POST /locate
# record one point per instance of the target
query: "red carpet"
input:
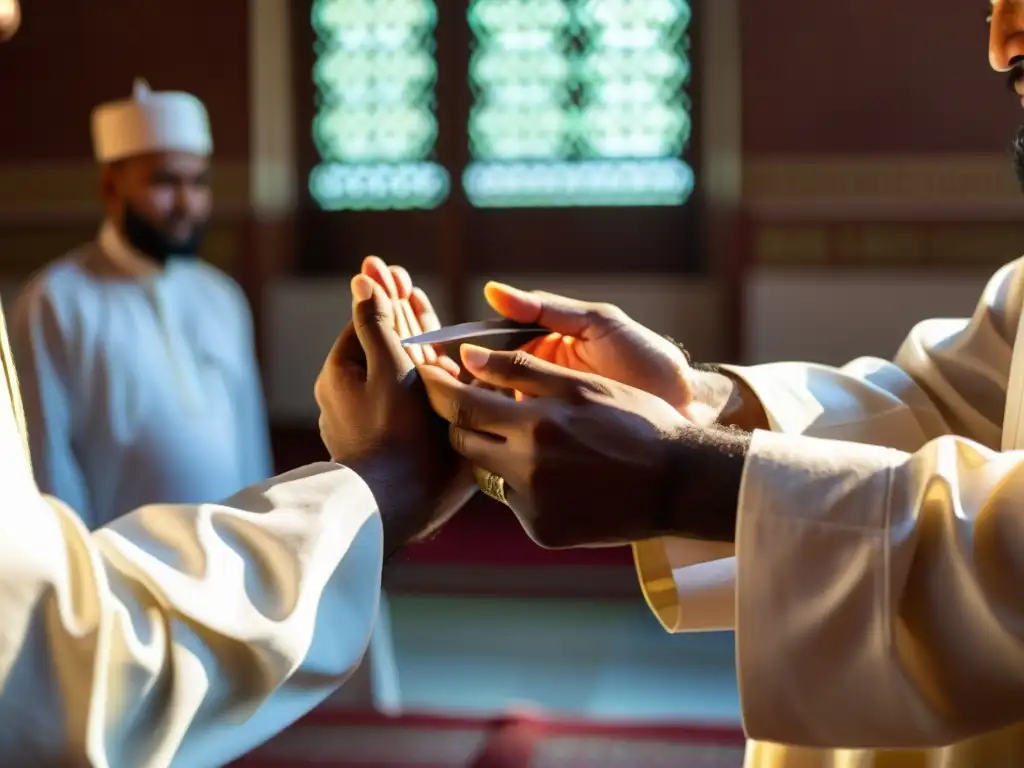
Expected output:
(336, 740)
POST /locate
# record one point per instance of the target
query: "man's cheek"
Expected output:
(199, 204)
(158, 204)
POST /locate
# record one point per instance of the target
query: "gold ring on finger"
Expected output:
(491, 484)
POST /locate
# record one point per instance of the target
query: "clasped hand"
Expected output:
(585, 459)
(375, 417)
(599, 445)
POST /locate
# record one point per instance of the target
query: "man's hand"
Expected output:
(414, 314)
(585, 460)
(375, 418)
(599, 339)
(602, 339)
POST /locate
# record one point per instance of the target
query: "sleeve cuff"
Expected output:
(789, 409)
(810, 545)
(689, 585)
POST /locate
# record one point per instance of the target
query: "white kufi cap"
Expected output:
(161, 121)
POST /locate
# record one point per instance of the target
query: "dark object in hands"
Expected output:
(498, 334)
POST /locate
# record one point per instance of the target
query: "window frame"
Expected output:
(457, 240)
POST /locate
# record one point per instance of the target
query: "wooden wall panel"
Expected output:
(64, 62)
(68, 56)
(872, 76)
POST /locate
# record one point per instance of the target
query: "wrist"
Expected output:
(394, 485)
(703, 473)
(721, 399)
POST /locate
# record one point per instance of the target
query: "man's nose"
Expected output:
(1006, 35)
(186, 200)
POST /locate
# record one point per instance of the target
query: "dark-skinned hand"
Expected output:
(584, 458)
(375, 418)
(588, 461)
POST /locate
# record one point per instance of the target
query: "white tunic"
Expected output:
(179, 636)
(877, 581)
(138, 388)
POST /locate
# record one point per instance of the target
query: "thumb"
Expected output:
(373, 316)
(526, 373)
(569, 317)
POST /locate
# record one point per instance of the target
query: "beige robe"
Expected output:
(876, 586)
(180, 635)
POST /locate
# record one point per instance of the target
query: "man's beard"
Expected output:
(1012, 77)
(1018, 156)
(149, 240)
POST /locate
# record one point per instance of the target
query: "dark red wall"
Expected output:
(819, 77)
(71, 54)
(871, 76)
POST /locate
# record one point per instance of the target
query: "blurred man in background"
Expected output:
(133, 341)
(137, 359)
(189, 634)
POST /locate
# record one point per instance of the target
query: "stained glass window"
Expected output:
(579, 103)
(375, 127)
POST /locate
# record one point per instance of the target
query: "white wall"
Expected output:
(824, 316)
(833, 317)
(305, 315)
(792, 314)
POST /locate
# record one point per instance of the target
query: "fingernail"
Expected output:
(502, 289)
(474, 356)
(494, 285)
(362, 288)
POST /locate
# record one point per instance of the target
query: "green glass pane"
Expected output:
(375, 127)
(578, 183)
(665, 14)
(392, 133)
(333, 17)
(497, 16)
(379, 187)
(579, 102)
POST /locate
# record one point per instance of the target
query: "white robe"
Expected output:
(146, 389)
(180, 635)
(138, 388)
(877, 585)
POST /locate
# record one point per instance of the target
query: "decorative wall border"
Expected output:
(945, 211)
(870, 187)
(882, 212)
(973, 187)
(947, 245)
(66, 193)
